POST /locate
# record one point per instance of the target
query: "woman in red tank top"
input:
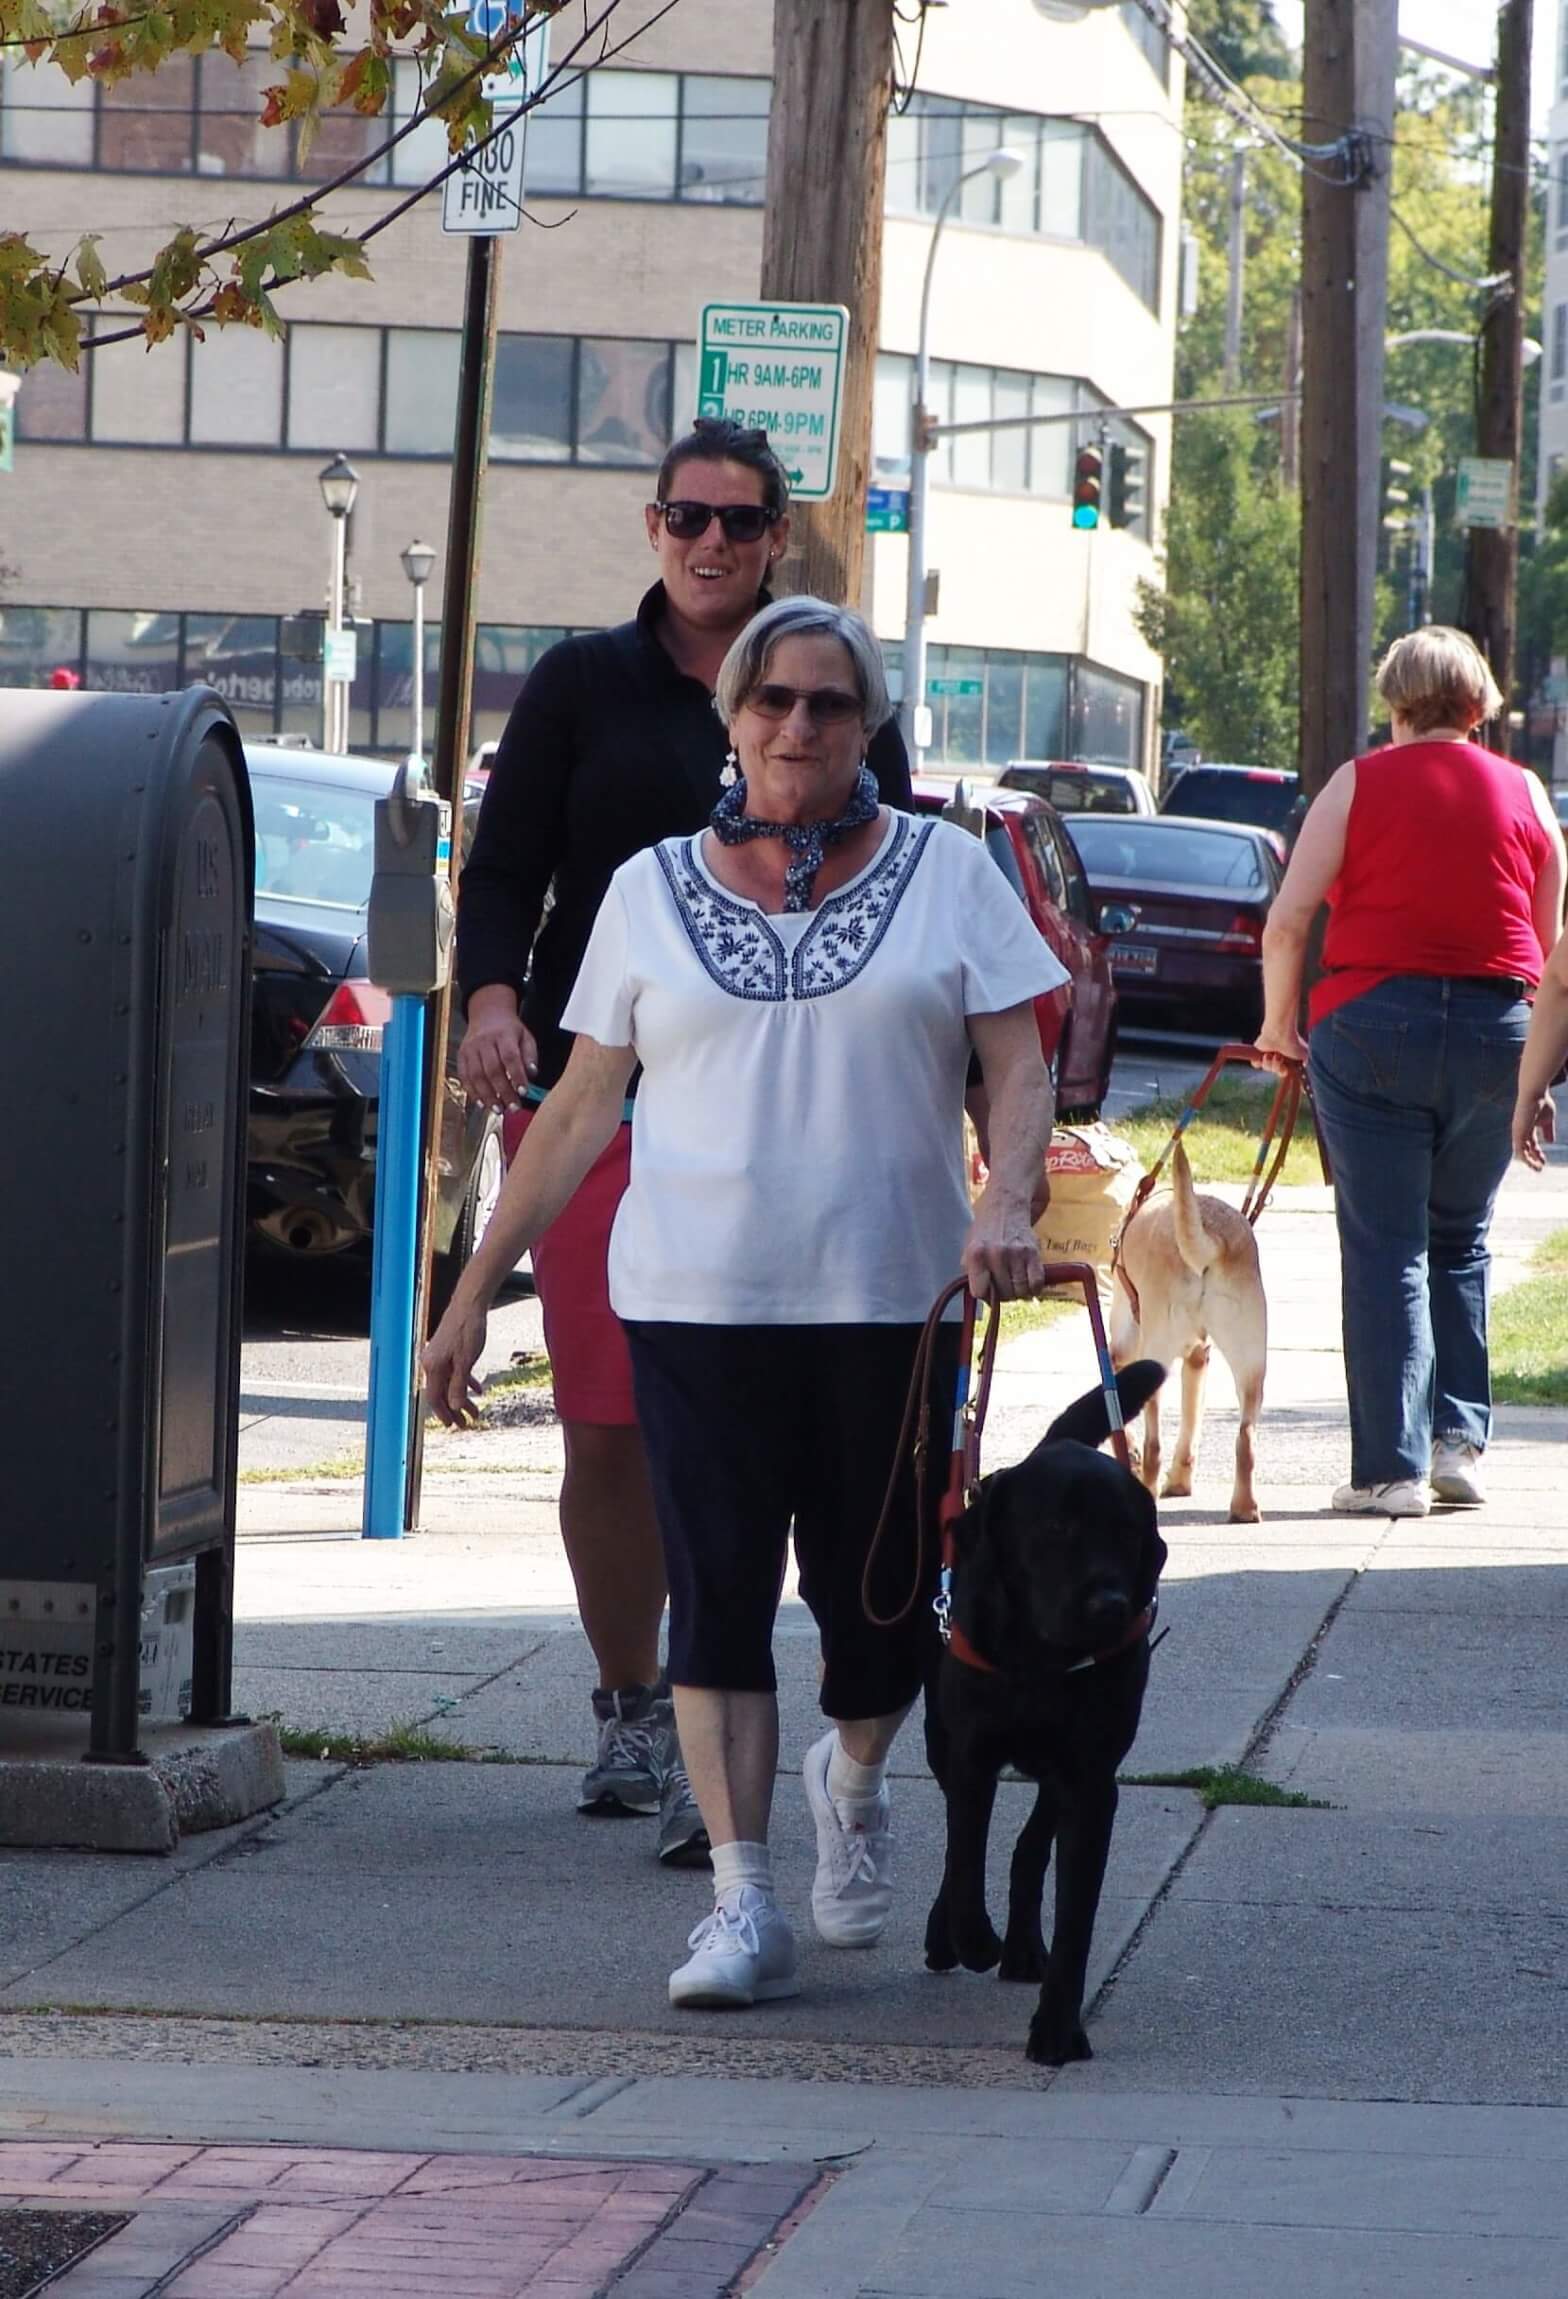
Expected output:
(1443, 869)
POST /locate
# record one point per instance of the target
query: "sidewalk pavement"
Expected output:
(1331, 2041)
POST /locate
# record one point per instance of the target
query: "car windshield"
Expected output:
(315, 842)
(1074, 792)
(1234, 797)
(1167, 854)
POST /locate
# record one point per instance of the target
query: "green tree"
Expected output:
(1242, 37)
(196, 278)
(1225, 618)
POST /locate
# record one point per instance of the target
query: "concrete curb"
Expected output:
(192, 1781)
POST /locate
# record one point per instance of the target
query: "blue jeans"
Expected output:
(1414, 1085)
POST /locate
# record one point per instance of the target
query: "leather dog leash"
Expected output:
(1278, 1131)
(963, 1476)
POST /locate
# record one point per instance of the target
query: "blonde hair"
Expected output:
(1438, 677)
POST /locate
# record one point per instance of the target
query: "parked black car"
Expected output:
(1185, 902)
(1261, 795)
(317, 1022)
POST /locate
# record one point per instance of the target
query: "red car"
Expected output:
(1026, 840)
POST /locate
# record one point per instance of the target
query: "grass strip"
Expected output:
(1225, 1784)
(1527, 1331)
(1222, 1140)
(399, 1744)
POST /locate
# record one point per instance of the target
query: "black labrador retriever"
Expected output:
(1053, 1596)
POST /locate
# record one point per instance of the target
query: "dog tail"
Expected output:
(1193, 1241)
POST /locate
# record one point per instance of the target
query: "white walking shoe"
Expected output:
(853, 1891)
(1456, 1474)
(743, 1953)
(1401, 1497)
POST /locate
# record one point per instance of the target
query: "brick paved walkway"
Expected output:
(321, 2223)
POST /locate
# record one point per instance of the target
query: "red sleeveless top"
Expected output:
(1442, 851)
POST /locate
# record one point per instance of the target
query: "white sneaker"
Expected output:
(1456, 1473)
(1401, 1497)
(744, 1953)
(853, 1891)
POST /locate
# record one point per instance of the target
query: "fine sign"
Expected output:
(486, 193)
(779, 367)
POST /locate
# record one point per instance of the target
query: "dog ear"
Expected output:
(1086, 1420)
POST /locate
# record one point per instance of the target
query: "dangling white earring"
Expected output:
(729, 772)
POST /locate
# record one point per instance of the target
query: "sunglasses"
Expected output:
(827, 706)
(742, 522)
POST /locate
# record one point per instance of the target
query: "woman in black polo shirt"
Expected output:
(613, 745)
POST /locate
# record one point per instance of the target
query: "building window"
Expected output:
(623, 401)
(531, 414)
(147, 124)
(1562, 196)
(724, 139)
(236, 389)
(35, 642)
(52, 404)
(1071, 186)
(421, 391)
(1027, 458)
(45, 119)
(1149, 37)
(608, 134)
(1558, 373)
(631, 139)
(334, 387)
(136, 395)
(132, 654)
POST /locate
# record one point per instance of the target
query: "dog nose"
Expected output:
(1105, 1611)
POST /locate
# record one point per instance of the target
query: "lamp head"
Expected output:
(418, 559)
(339, 486)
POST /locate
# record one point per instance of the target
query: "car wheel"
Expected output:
(486, 1175)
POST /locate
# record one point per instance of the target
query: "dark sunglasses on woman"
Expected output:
(742, 522)
(826, 706)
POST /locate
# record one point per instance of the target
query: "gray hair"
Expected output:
(745, 666)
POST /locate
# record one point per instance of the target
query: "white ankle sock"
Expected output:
(735, 1865)
(855, 1787)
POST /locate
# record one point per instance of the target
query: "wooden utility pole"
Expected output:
(822, 241)
(1492, 553)
(1236, 266)
(1351, 51)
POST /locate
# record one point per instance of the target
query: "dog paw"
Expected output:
(1177, 1486)
(979, 1949)
(1050, 2047)
(1245, 1513)
(1022, 1959)
(941, 1955)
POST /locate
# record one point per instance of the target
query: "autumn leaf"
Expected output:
(89, 268)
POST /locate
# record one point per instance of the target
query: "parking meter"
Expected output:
(410, 954)
(411, 912)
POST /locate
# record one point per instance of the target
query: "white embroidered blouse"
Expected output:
(797, 1147)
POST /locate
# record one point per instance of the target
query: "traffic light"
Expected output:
(1086, 488)
(1393, 509)
(1126, 489)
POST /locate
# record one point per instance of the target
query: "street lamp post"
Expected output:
(1001, 164)
(339, 483)
(418, 559)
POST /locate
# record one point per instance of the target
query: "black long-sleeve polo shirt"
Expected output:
(610, 747)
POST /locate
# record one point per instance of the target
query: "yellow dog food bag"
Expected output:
(1094, 1173)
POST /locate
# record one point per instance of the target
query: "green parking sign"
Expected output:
(779, 367)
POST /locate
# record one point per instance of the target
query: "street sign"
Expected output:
(887, 510)
(953, 686)
(522, 69)
(779, 367)
(1484, 496)
(486, 193)
(10, 385)
(340, 655)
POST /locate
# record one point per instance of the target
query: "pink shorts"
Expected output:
(588, 1355)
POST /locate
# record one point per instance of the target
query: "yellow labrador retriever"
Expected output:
(1187, 1275)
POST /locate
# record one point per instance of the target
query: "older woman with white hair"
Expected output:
(1442, 867)
(802, 984)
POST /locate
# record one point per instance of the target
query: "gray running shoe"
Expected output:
(683, 1840)
(627, 1774)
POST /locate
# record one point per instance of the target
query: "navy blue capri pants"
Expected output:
(754, 1430)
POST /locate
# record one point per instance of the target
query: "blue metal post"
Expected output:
(394, 1271)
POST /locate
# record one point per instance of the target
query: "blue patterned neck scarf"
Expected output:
(808, 842)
